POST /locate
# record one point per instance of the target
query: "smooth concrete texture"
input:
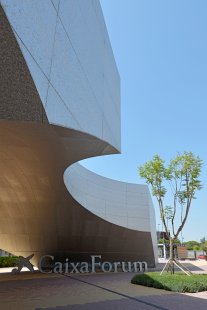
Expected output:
(61, 105)
(114, 201)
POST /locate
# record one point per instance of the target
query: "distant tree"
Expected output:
(204, 244)
(181, 176)
(191, 244)
(196, 247)
(203, 240)
(161, 240)
(204, 247)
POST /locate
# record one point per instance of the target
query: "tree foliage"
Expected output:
(181, 178)
(203, 244)
(204, 247)
(191, 245)
(165, 241)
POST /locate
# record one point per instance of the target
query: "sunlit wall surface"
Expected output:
(69, 56)
(67, 49)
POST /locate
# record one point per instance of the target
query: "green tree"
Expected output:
(181, 178)
(161, 240)
(196, 247)
(191, 244)
(203, 244)
(203, 240)
(204, 247)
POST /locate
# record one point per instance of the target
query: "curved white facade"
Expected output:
(124, 204)
(71, 63)
(68, 53)
(120, 203)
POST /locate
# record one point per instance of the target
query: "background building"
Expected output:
(60, 103)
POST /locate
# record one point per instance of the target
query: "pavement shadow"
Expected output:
(167, 302)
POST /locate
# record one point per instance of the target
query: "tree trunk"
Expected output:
(171, 257)
(171, 250)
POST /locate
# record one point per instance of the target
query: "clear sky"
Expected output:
(160, 49)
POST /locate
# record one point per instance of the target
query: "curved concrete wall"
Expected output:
(120, 203)
(66, 78)
(124, 204)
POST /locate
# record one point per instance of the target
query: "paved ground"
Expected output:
(28, 291)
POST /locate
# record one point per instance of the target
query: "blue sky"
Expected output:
(160, 49)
